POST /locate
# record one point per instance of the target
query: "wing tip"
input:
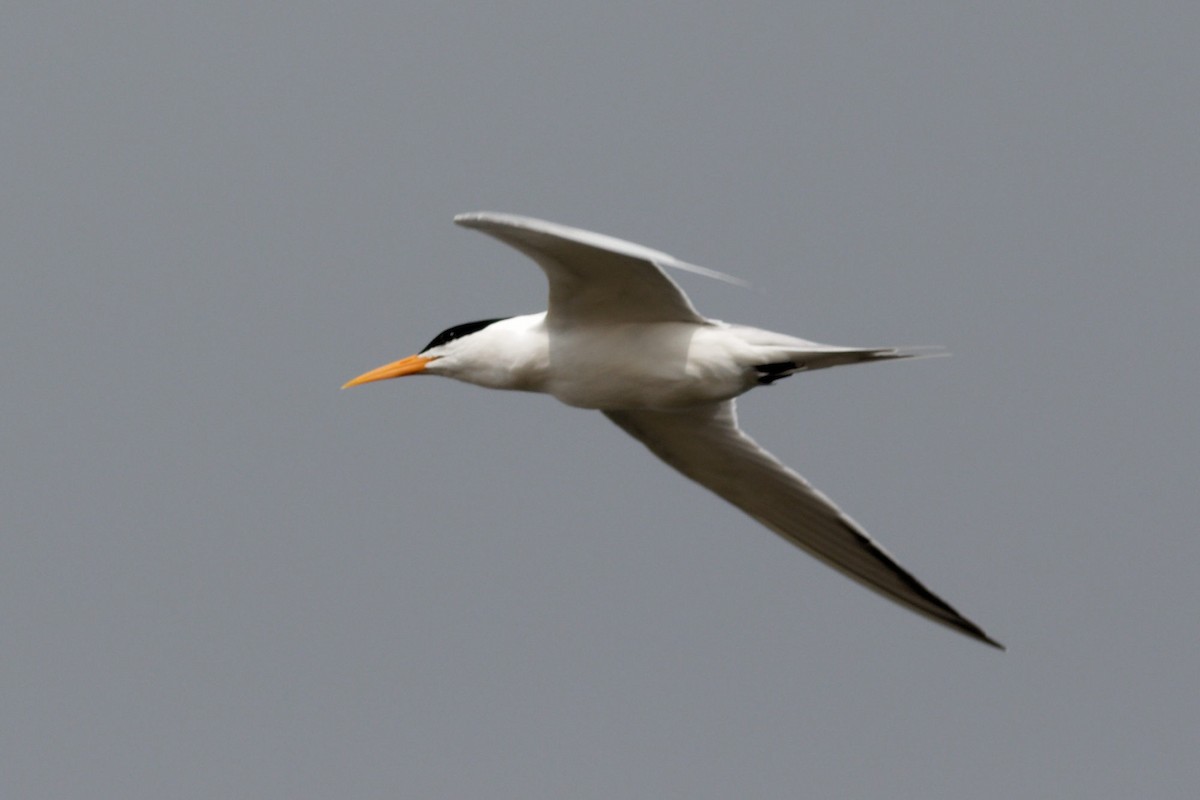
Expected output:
(675, 263)
(965, 626)
(481, 219)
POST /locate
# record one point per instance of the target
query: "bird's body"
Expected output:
(652, 365)
(621, 337)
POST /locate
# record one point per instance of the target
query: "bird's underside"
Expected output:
(620, 336)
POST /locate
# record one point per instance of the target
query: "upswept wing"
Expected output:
(706, 445)
(595, 278)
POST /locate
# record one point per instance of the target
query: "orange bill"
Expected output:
(397, 369)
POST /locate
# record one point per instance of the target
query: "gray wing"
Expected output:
(593, 277)
(706, 445)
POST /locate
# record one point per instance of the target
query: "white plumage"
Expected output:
(621, 337)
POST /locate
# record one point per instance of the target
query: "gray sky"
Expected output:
(222, 577)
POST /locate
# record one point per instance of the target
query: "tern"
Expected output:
(621, 337)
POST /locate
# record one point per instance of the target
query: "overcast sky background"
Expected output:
(223, 577)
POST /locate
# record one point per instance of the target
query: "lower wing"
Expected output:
(706, 445)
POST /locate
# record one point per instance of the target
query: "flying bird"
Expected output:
(621, 337)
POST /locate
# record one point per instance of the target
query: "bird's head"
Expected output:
(447, 354)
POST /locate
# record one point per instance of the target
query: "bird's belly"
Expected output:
(624, 370)
(607, 392)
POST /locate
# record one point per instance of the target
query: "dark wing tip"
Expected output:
(975, 632)
(934, 607)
